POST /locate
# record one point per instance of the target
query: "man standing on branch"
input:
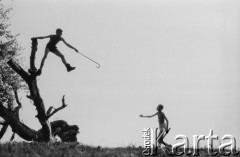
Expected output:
(51, 46)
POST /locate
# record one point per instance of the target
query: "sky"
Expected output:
(182, 54)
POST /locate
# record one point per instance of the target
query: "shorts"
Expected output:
(52, 48)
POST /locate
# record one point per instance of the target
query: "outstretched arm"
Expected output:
(148, 116)
(41, 37)
(70, 46)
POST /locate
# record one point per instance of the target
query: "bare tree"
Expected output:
(13, 78)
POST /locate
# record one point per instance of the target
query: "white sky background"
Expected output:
(183, 54)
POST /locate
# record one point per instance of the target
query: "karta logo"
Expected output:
(151, 144)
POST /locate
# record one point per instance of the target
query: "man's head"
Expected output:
(160, 107)
(59, 32)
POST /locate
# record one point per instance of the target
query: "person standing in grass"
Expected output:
(51, 46)
(162, 125)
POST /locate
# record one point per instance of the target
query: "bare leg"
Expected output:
(160, 135)
(59, 54)
(68, 66)
(44, 58)
(160, 138)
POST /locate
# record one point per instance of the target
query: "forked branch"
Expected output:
(49, 113)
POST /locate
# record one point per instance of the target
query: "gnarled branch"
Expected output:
(3, 123)
(35, 95)
(16, 110)
(33, 53)
(18, 127)
(3, 130)
(12, 137)
(57, 109)
(18, 69)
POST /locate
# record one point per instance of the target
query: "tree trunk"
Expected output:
(34, 91)
(60, 128)
(3, 130)
(21, 129)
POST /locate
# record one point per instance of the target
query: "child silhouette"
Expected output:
(162, 125)
(51, 47)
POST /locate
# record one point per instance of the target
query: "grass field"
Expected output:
(24, 149)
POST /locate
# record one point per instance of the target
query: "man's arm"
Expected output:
(149, 116)
(42, 37)
(70, 46)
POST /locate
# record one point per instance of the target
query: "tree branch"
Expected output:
(3, 130)
(5, 123)
(12, 137)
(2, 123)
(16, 110)
(35, 95)
(57, 109)
(19, 70)
(33, 53)
(17, 98)
(18, 127)
(13, 119)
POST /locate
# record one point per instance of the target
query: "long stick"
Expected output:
(90, 59)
